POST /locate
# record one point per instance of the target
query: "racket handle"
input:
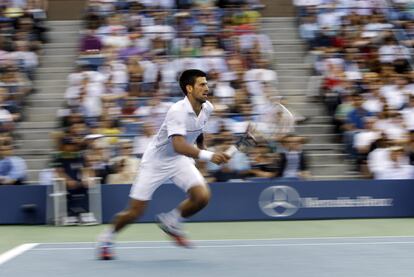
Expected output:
(231, 151)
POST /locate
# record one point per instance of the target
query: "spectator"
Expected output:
(264, 163)
(68, 164)
(378, 158)
(293, 162)
(308, 30)
(398, 166)
(90, 43)
(354, 123)
(110, 128)
(141, 142)
(12, 168)
(126, 165)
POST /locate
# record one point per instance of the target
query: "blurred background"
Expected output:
(84, 86)
(98, 84)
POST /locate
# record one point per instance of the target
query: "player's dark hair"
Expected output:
(188, 77)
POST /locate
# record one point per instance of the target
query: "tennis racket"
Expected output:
(275, 120)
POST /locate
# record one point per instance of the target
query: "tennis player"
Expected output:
(170, 156)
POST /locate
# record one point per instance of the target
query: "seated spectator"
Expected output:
(293, 163)
(354, 123)
(26, 59)
(264, 163)
(90, 43)
(379, 157)
(142, 141)
(110, 127)
(393, 125)
(308, 30)
(398, 166)
(68, 163)
(125, 165)
(12, 168)
(408, 114)
(364, 140)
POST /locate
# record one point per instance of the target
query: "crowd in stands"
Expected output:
(362, 49)
(131, 55)
(22, 33)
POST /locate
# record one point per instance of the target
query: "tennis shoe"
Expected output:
(105, 250)
(173, 229)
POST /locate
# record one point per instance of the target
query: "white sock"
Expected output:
(108, 234)
(175, 215)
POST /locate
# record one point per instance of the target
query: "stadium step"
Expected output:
(292, 79)
(284, 35)
(308, 112)
(57, 61)
(36, 125)
(45, 102)
(51, 83)
(64, 25)
(322, 138)
(48, 70)
(304, 72)
(315, 129)
(48, 94)
(64, 36)
(57, 58)
(33, 134)
(35, 153)
(58, 51)
(279, 47)
(321, 119)
(37, 164)
(329, 169)
(290, 92)
(292, 85)
(50, 76)
(39, 117)
(326, 158)
(35, 144)
(51, 64)
(275, 23)
(66, 45)
(294, 98)
(323, 148)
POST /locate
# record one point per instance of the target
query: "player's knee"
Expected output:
(202, 198)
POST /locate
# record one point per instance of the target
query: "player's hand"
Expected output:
(220, 158)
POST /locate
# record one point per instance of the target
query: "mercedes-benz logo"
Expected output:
(279, 201)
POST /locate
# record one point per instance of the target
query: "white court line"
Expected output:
(238, 245)
(223, 240)
(18, 250)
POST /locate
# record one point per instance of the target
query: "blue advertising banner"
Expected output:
(280, 200)
(23, 204)
(264, 200)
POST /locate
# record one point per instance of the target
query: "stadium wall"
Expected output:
(262, 200)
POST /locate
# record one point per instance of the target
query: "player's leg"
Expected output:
(188, 178)
(105, 240)
(135, 210)
(198, 198)
(148, 180)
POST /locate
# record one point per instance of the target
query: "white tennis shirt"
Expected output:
(180, 120)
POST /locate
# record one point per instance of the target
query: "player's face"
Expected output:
(200, 89)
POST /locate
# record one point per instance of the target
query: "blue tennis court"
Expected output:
(367, 256)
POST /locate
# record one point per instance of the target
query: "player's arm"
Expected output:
(181, 146)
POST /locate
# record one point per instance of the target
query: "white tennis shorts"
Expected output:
(181, 171)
